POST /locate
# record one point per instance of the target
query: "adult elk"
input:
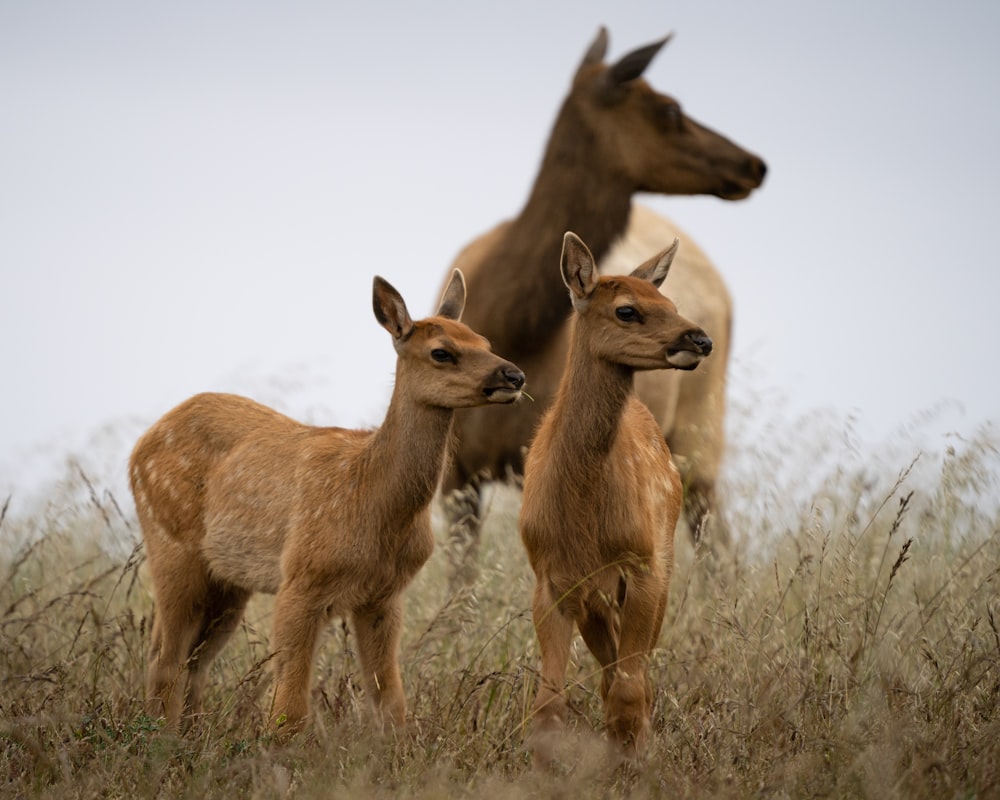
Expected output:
(614, 136)
(602, 496)
(235, 498)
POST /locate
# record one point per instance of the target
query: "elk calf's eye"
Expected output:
(443, 356)
(627, 314)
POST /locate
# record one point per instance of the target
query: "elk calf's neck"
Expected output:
(234, 498)
(602, 496)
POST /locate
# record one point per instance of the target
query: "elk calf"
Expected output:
(235, 498)
(602, 496)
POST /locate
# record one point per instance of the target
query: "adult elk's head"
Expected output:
(646, 138)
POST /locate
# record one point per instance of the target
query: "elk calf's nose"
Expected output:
(702, 342)
(515, 376)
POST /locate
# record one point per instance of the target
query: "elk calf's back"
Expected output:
(235, 498)
(602, 496)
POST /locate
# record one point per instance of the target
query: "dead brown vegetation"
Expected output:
(821, 661)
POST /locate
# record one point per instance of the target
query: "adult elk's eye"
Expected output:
(627, 314)
(443, 356)
(669, 114)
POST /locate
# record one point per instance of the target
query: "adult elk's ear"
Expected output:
(655, 270)
(598, 47)
(579, 271)
(631, 65)
(453, 299)
(390, 310)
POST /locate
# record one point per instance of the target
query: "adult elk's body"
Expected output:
(234, 498)
(614, 136)
(601, 494)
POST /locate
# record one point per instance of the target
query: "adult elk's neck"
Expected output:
(516, 296)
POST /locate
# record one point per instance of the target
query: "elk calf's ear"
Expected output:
(655, 270)
(579, 272)
(453, 299)
(390, 310)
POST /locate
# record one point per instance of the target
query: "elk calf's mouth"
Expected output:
(502, 394)
(683, 359)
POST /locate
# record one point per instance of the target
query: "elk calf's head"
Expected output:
(626, 319)
(442, 361)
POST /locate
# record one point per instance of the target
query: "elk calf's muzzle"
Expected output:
(690, 350)
(702, 342)
(505, 384)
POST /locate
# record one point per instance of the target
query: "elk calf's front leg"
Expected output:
(627, 713)
(630, 698)
(298, 618)
(598, 632)
(378, 630)
(555, 635)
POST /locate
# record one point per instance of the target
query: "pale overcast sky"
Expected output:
(196, 195)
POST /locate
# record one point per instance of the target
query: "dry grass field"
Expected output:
(848, 646)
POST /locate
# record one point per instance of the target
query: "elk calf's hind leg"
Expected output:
(166, 676)
(175, 633)
(220, 618)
